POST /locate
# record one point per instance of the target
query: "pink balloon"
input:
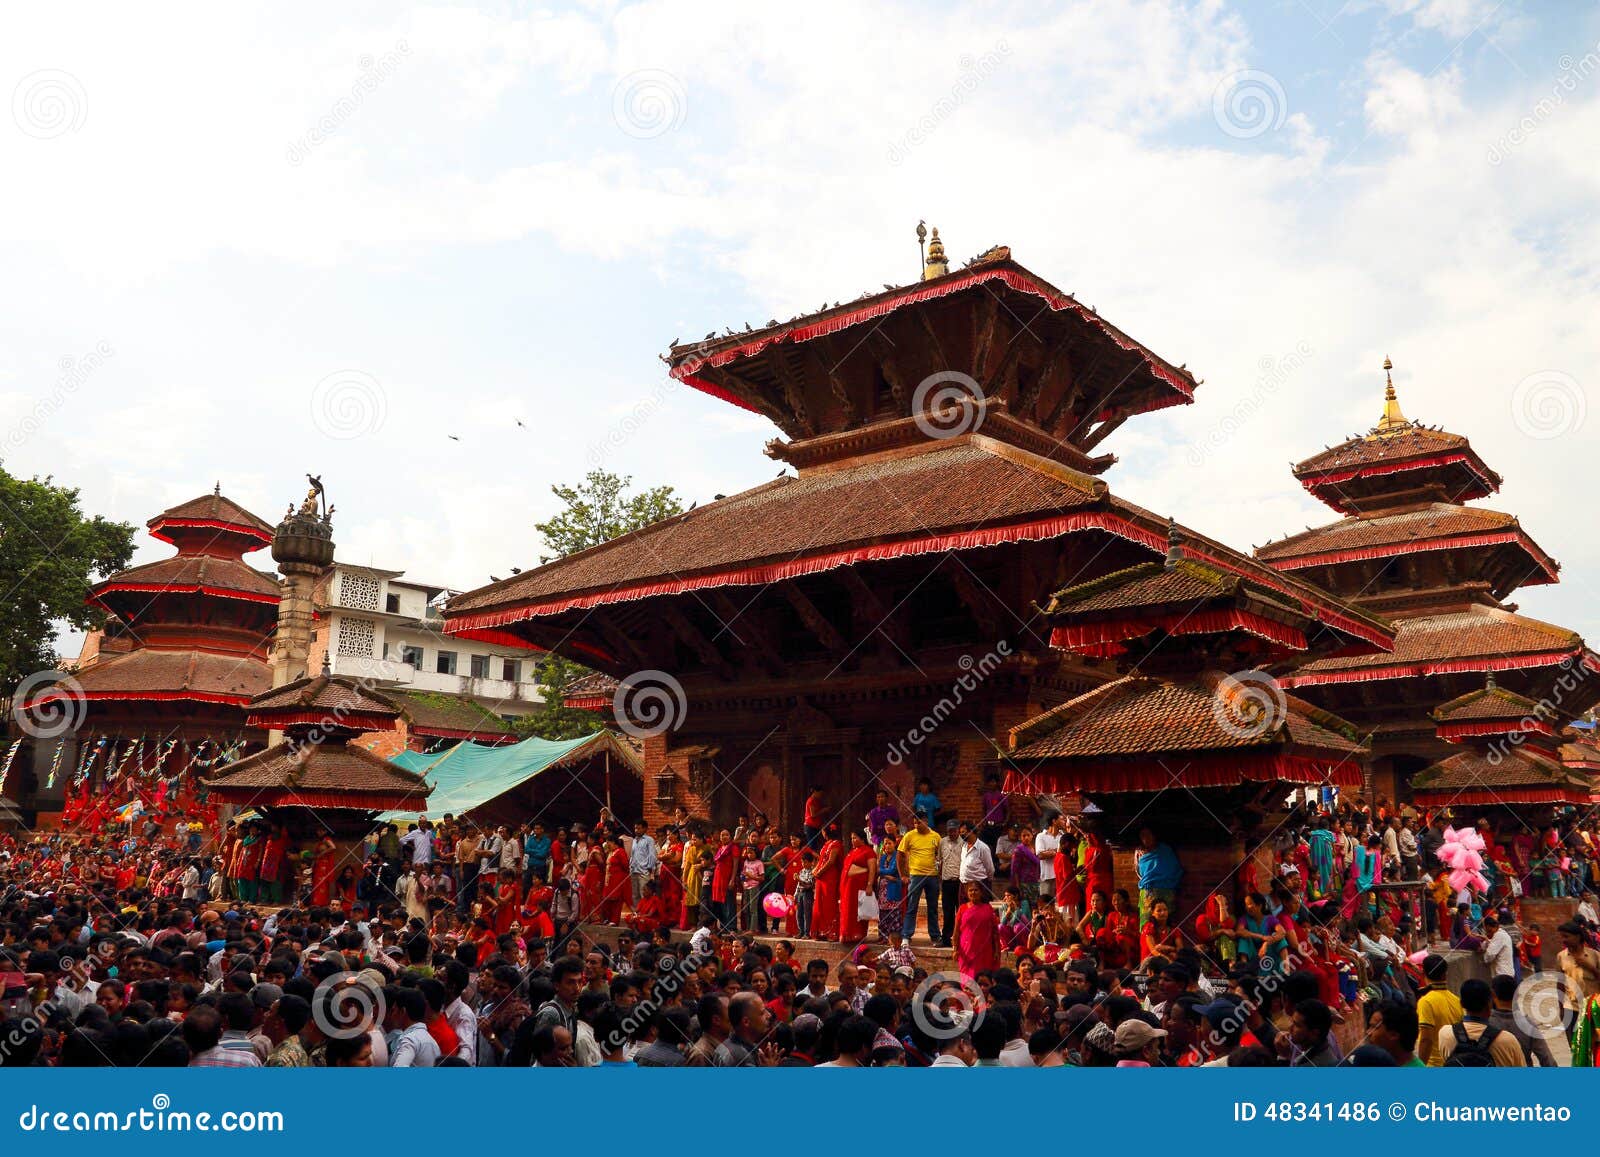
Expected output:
(777, 905)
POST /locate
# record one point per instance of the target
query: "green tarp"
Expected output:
(470, 774)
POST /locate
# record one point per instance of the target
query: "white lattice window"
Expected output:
(359, 592)
(357, 637)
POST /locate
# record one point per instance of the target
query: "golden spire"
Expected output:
(936, 265)
(1393, 421)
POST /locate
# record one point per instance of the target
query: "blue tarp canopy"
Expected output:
(471, 774)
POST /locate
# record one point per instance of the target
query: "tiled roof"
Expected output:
(1436, 520)
(436, 713)
(191, 570)
(320, 770)
(1142, 716)
(1415, 442)
(1478, 631)
(213, 508)
(1154, 584)
(957, 484)
(331, 693)
(969, 490)
(1580, 751)
(1489, 703)
(593, 684)
(1476, 771)
(148, 671)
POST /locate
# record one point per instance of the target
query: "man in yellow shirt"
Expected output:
(1436, 1008)
(919, 863)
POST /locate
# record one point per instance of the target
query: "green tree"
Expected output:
(596, 510)
(599, 509)
(50, 555)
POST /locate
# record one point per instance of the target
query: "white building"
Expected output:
(375, 624)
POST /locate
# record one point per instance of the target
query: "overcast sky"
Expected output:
(240, 245)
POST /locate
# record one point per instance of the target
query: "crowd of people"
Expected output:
(901, 936)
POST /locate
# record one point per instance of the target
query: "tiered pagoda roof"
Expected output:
(1514, 755)
(1408, 548)
(192, 628)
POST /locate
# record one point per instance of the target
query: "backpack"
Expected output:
(1469, 1053)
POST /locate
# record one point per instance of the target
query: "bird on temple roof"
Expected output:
(772, 321)
(710, 335)
(747, 328)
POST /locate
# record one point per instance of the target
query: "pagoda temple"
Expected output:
(162, 688)
(870, 618)
(1409, 547)
(1175, 742)
(1513, 758)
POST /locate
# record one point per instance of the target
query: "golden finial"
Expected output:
(1393, 421)
(936, 264)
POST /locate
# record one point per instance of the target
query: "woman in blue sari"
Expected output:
(1366, 869)
(891, 885)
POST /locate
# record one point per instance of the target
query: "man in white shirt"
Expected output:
(949, 880)
(1497, 948)
(977, 862)
(414, 1047)
(1045, 845)
(419, 843)
(956, 1053)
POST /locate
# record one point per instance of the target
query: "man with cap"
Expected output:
(1136, 1045)
(1222, 1024)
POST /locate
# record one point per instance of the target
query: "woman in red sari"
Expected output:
(617, 886)
(1158, 937)
(1120, 944)
(977, 934)
(825, 922)
(789, 860)
(858, 874)
(272, 857)
(724, 869)
(594, 887)
(324, 869)
(670, 880)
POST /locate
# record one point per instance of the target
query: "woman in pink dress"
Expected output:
(977, 938)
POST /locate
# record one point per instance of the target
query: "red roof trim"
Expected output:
(1437, 667)
(1377, 469)
(1525, 726)
(147, 696)
(1106, 776)
(349, 801)
(331, 718)
(1552, 794)
(1092, 635)
(1392, 549)
(942, 287)
(177, 589)
(243, 531)
(588, 702)
(767, 573)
